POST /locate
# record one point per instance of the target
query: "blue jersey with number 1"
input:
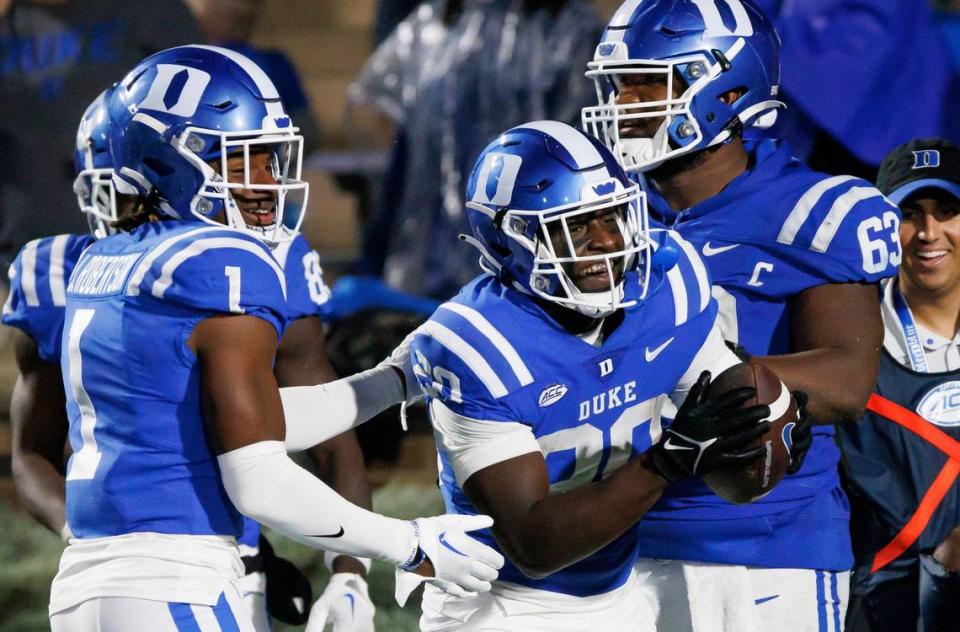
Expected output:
(141, 460)
(776, 230)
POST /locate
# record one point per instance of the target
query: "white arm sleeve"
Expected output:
(317, 413)
(473, 444)
(264, 484)
(714, 356)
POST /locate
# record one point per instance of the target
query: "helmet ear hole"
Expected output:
(730, 97)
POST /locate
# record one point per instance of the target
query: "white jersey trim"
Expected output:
(58, 291)
(133, 287)
(470, 356)
(801, 211)
(474, 444)
(698, 269)
(200, 246)
(28, 268)
(496, 338)
(838, 212)
(675, 278)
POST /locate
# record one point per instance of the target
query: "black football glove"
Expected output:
(802, 434)
(289, 594)
(708, 434)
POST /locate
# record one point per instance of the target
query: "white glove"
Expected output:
(400, 360)
(345, 604)
(462, 566)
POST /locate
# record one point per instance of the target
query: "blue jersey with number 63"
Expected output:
(141, 461)
(776, 230)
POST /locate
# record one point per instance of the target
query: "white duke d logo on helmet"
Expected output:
(498, 174)
(189, 83)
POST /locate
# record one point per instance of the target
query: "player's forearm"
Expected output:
(837, 380)
(40, 489)
(264, 484)
(340, 465)
(566, 527)
(39, 432)
(315, 414)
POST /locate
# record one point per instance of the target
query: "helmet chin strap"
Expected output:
(596, 304)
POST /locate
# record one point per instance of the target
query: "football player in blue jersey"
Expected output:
(35, 308)
(177, 426)
(549, 379)
(795, 257)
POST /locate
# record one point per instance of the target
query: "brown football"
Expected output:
(747, 483)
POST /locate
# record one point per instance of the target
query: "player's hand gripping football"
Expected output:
(345, 604)
(449, 558)
(802, 434)
(709, 433)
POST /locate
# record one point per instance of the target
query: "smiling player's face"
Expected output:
(591, 234)
(930, 237)
(258, 207)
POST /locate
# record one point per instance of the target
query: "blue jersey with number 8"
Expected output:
(141, 460)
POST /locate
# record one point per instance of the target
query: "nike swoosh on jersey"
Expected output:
(669, 445)
(326, 535)
(651, 354)
(765, 599)
(709, 251)
(444, 542)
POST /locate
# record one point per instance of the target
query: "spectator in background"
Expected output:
(55, 57)
(888, 468)
(230, 23)
(389, 14)
(452, 75)
(861, 76)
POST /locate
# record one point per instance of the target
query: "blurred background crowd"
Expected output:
(396, 97)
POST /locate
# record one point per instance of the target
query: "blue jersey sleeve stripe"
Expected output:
(55, 273)
(133, 287)
(499, 342)
(801, 211)
(28, 273)
(679, 289)
(200, 246)
(838, 212)
(699, 270)
(467, 354)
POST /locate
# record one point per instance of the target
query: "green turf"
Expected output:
(29, 555)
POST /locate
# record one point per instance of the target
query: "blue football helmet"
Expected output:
(525, 188)
(178, 116)
(701, 49)
(91, 157)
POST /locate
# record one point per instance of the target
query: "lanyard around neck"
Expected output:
(918, 361)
